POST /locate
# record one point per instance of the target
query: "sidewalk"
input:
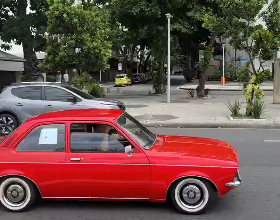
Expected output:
(232, 86)
(199, 114)
(183, 111)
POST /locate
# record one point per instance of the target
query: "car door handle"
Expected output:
(49, 106)
(76, 159)
(18, 104)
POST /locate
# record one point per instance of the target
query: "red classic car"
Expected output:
(107, 154)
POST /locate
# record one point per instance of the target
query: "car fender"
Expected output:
(163, 177)
(195, 174)
(14, 172)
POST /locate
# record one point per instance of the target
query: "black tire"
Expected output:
(17, 185)
(195, 190)
(11, 117)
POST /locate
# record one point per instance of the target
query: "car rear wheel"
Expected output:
(17, 194)
(8, 123)
(191, 195)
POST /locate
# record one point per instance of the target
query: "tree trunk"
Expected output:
(124, 64)
(133, 47)
(200, 90)
(158, 84)
(146, 62)
(28, 50)
(70, 75)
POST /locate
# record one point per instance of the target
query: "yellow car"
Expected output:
(122, 79)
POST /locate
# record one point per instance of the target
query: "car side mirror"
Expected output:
(129, 151)
(72, 99)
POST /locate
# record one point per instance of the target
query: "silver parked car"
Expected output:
(22, 101)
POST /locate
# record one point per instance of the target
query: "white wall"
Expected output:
(11, 66)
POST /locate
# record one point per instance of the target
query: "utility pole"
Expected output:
(223, 44)
(168, 59)
(276, 78)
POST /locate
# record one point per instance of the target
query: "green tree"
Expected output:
(259, 41)
(146, 21)
(83, 36)
(24, 25)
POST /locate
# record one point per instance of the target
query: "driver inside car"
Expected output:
(109, 133)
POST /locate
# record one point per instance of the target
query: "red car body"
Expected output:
(145, 175)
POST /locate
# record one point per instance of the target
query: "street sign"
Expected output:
(243, 59)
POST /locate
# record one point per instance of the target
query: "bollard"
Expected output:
(119, 90)
(109, 89)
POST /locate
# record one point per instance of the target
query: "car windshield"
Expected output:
(120, 76)
(80, 93)
(142, 135)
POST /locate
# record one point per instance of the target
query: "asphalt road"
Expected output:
(257, 198)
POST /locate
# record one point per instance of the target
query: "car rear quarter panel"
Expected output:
(167, 168)
(44, 169)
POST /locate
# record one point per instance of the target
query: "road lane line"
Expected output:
(272, 141)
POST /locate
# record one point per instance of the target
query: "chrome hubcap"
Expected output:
(191, 194)
(15, 194)
(6, 125)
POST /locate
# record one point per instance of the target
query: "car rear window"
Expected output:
(28, 92)
(78, 92)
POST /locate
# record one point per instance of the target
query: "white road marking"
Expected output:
(272, 141)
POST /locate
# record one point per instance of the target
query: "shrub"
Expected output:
(79, 81)
(234, 108)
(25, 78)
(94, 89)
(257, 109)
(51, 78)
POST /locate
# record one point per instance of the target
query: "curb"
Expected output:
(214, 125)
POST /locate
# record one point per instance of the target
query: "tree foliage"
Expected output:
(239, 23)
(259, 40)
(146, 23)
(84, 36)
(24, 22)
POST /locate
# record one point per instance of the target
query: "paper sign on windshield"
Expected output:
(48, 136)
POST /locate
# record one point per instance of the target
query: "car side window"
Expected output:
(44, 138)
(28, 92)
(97, 138)
(57, 94)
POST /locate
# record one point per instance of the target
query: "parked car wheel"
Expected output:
(17, 194)
(191, 195)
(8, 123)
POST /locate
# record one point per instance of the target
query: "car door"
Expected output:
(58, 99)
(27, 101)
(40, 156)
(105, 174)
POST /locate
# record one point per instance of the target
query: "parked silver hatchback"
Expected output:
(22, 101)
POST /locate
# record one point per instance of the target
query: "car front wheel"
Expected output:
(191, 195)
(17, 194)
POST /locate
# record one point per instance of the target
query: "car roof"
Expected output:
(79, 114)
(39, 83)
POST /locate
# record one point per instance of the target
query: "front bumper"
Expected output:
(236, 182)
